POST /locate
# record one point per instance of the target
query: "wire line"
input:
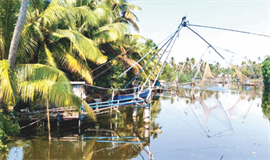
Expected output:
(204, 41)
(232, 30)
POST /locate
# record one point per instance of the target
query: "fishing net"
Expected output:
(207, 75)
(241, 108)
(242, 78)
(212, 117)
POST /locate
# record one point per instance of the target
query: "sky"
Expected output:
(159, 18)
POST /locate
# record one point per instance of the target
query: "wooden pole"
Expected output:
(48, 118)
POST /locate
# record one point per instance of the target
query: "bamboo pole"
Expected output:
(48, 118)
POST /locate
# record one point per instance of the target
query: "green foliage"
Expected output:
(8, 127)
(167, 72)
(266, 73)
(9, 10)
(7, 84)
(184, 78)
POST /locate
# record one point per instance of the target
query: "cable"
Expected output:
(109, 88)
(226, 50)
(147, 54)
(128, 50)
(185, 25)
(232, 30)
(151, 58)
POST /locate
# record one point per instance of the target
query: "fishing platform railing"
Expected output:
(120, 102)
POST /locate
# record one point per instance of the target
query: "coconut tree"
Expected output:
(8, 16)
(16, 35)
(47, 83)
(54, 39)
(124, 11)
(73, 38)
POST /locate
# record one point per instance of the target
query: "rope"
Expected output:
(149, 61)
(164, 63)
(103, 72)
(170, 40)
(232, 30)
(185, 25)
(170, 36)
(128, 50)
(109, 88)
(226, 50)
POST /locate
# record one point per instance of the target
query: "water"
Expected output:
(222, 123)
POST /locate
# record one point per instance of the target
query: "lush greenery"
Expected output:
(8, 127)
(266, 73)
(188, 70)
(60, 41)
(90, 40)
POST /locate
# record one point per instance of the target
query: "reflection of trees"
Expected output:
(266, 104)
(92, 148)
(127, 126)
(64, 148)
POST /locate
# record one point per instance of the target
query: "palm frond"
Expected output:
(50, 60)
(87, 16)
(111, 32)
(77, 67)
(55, 14)
(72, 63)
(33, 72)
(63, 3)
(103, 12)
(26, 49)
(86, 48)
(47, 82)
(89, 110)
(132, 19)
(6, 91)
(131, 6)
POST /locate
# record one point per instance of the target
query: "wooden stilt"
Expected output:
(48, 118)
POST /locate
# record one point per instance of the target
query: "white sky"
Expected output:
(160, 18)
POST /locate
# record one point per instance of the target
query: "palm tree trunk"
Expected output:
(48, 118)
(2, 45)
(17, 34)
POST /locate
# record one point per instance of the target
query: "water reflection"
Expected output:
(266, 104)
(216, 123)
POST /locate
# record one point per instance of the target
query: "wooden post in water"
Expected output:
(43, 125)
(49, 149)
(80, 114)
(146, 113)
(135, 111)
(146, 134)
(192, 96)
(48, 118)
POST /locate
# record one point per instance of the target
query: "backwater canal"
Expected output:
(221, 124)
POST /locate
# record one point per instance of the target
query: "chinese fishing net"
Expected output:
(206, 75)
(212, 117)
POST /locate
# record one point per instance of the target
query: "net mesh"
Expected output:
(207, 75)
(242, 78)
(213, 118)
(241, 108)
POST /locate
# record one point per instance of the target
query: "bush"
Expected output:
(8, 127)
(266, 73)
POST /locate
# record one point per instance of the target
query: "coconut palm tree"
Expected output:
(55, 40)
(16, 35)
(47, 83)
(123, 11)
(76, 36)
(8, 17)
